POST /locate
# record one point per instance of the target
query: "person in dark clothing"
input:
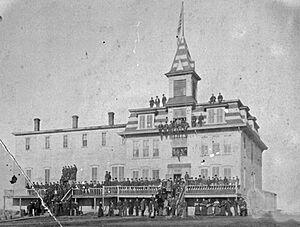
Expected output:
(164, 100)
(143, 206)
(151, 102)
(220, 98)
(136, 207)
(212, 99)
(157, 101)
(100, 210)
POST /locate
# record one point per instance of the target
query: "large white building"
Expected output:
(224, 142)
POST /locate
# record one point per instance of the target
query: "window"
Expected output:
(216, 148)
(227, 148)
(204, 150)
(27, 143)
(84, 140)
(179, 151)
(47, 176)
(142, 121)
(28, 174)
(204, 172)
(94, 173)
(227, 172)
(215, 171)
(216, 115)
(194, 89)
(220, 114)
(179, 88)
(145, 173)
(155, 174)
(135, 174)
(155, 148)
(211, 115)
(103, 138)
(136, 145)
(47, 142)
(65, 141)
(146, 148)
(146, 121)
(121, 173)
(114, 172)
(117, 172)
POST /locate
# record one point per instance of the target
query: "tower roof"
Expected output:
(182, 62)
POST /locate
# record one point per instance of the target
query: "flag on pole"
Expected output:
(180, 28)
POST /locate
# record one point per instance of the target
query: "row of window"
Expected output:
(142, 148)
(145, 173)
(116, 172)
(65, 142)
(215, 116)
(204, 171)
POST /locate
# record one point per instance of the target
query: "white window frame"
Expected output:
(47, 176)
(215, 119)
(84, 138)
(146, 149)
(104, 139)
(135, 171)
(155, 148)
(136, 146)
(28, 175)
(92, 175)
(47, 142)
(27, 143)
(153, 175)
(212, 171)
(65, 141)
(145, 122)
(185, 90)
(206, 169)
(227, 167)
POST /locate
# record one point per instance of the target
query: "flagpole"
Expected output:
(182, 20)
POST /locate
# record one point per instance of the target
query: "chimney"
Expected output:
(111, 118)
(36, 124)
(75, 121)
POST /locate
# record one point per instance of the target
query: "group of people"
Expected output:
(213, 181)
(35, 208)
(176, 128)
(156, 102)
(212, 99)
(221, 207)
(68, 173)
(168, 201)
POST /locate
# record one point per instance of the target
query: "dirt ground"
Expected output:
(145, 221)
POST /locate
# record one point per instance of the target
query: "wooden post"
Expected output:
(103, 189)
(95, 205)
(20, 204)
(118, 193)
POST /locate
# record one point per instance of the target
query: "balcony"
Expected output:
(148, 191)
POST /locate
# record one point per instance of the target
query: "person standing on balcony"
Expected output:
(157, 101)
(164, 100)
(151, 102)
(220, 98)
(186, 178)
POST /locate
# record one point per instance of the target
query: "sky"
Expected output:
(60, 58)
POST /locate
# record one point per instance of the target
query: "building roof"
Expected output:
(182, 62)
(89, 128)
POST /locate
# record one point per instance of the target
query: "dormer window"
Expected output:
(146, 121)
(215, 116)
(179, 88)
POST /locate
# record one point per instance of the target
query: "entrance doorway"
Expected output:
(177, 177)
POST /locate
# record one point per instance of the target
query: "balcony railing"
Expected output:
(32, 192)
(152, 190)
